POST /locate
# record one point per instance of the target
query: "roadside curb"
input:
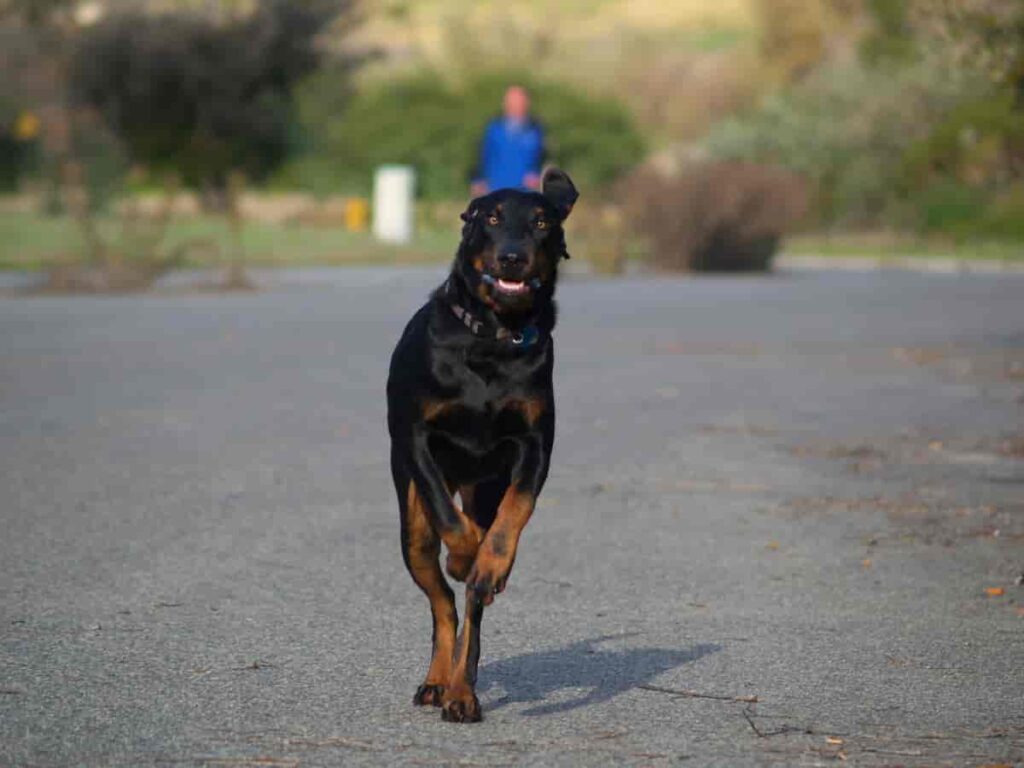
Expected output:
(936, 265)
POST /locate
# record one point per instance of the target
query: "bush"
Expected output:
(435, 126)
(715, 217)
(949, 207)
(847, 129)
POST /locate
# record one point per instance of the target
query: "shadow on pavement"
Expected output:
(532, 677)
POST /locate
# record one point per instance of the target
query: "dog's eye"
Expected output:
(492, 220)
(541, 224)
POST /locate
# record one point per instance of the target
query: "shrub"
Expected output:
(435, 126)
(715, 217)
(846, 128)
(949, 207)
(964, 178)
(1004, 217)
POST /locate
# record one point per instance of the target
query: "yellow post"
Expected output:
(357, 214)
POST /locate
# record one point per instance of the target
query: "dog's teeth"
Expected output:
(511, 287)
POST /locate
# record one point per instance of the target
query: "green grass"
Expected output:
(875, 245)
(30, 241)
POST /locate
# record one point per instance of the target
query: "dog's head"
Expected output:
(512, 242)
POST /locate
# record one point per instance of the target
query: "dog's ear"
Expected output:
(472, 211)
(470, 216)
(557, 187)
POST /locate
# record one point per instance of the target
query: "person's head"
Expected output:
(517, 102)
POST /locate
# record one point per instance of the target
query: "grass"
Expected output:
(32, 242)
(895, 245)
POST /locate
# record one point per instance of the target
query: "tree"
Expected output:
(202, 98)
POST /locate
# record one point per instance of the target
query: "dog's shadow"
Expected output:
(533, 677)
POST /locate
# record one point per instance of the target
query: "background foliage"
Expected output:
(921, 129)
(435, 125)
(882, 115)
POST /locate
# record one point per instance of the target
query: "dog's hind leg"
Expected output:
(421, 547)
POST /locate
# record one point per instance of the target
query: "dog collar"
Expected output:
(523, 339)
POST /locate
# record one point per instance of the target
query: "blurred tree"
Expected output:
(35, 12)
(202, 98)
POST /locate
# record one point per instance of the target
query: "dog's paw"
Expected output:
(461, 706)
(488, 578)
(428, 695)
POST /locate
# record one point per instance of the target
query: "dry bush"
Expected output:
(714, 216)
(129, 257)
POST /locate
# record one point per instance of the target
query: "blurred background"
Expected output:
(139, 136)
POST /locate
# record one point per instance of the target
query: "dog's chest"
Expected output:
(484, 403)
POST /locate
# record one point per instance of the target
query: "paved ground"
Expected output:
(797, 488)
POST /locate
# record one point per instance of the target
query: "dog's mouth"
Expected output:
(510, 287)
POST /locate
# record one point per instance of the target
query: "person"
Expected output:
(512, 149)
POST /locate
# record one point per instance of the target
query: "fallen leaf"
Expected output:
(772, 545)
(866, 562)
(994, 591)
(834, 740)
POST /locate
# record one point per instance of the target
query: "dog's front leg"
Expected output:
(460, 534)
(497, 552)
(490, 571)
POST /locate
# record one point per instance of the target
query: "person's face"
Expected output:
(517, 103)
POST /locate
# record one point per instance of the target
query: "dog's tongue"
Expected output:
(511, 286)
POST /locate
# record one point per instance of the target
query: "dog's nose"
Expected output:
(511, 258)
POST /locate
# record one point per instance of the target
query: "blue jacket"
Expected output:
(508, 152)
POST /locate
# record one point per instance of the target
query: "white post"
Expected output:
(393, 187)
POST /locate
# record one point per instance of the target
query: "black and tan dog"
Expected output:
(471, 412)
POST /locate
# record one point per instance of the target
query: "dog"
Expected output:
(471, 411)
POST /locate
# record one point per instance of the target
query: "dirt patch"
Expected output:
(1012, 447)
(705, 348)
(901, 507)
(749, 430)
(999, 363)
(124, 278)
(914, 450)
(923, 519)
(860, 451)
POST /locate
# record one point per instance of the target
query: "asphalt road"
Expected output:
(796, 487)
